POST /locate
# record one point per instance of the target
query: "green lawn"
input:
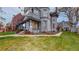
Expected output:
(67, 41)
(6, 33)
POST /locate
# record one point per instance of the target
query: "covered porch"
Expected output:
(30, 25)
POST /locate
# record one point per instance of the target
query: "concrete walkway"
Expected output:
(16, 35)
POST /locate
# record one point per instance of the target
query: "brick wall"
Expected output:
(15, 20)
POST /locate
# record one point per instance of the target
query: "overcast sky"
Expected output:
(10, 11)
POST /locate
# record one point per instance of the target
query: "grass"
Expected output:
(66, 42)
(6, 33)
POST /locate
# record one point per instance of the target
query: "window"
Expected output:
(45, 9)
(36, 12)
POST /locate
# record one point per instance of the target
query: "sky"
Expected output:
(10, 11)
(62, 17)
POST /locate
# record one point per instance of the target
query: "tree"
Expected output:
(8, 27)
(2, 19)
(1, 11)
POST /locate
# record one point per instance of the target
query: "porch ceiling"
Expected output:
(28, 18)
(32, 18)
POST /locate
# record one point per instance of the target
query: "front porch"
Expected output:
(30, 25)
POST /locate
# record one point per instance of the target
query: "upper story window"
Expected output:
(36, 12)
(45, 9)
(44, 12)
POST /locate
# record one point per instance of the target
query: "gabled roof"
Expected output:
(17, 18)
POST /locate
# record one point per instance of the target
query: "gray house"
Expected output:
(38, 19)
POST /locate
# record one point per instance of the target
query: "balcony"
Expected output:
(33, 16)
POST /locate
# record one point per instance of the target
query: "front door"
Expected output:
(45, 26)
(35, 26)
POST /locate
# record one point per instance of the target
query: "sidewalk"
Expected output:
(15, 35)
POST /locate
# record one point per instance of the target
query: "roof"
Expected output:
(17, 18)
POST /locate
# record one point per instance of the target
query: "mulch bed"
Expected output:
(41, 33)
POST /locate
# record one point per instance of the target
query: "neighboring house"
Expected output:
(73, 28)
(74, 21)
(65, 25)
(8, 27)
(15, 20)
(77, 26)
(73, 15)
(2, 24)
(37, 19)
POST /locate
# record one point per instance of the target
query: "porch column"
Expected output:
(30, 27)
(39, 27)
(42, 26)
(48, 26)
(25, 26)
(20, 26)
